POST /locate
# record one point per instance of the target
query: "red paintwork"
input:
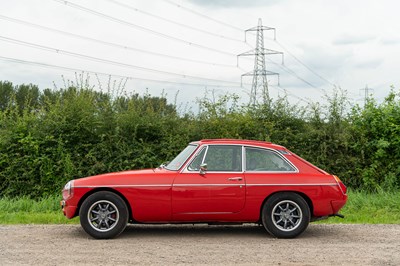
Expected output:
(165, 196)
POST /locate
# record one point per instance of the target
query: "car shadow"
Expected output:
(315, 231)
(201, 230)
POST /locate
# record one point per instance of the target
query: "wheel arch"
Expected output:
(304, 196)
(91, 192)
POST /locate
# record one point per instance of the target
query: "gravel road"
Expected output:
(337, 244)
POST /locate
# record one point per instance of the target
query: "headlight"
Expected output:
(68, 190)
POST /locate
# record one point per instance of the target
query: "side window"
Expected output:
(224, 158)
(258, 160)
(195, 164)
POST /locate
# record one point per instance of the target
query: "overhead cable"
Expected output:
(121, 46)
(174, 22)
(130, 24)
(96, 59)
(204, 16)
(40, 64)
(303, 64)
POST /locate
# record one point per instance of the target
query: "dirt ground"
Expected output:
(200, 244)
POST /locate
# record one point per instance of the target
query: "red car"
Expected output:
(210, 181)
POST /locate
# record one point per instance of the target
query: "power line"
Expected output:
(19, 61)
(124, 22)
(190, 43)
(204, 16)
(303, 64)
(291, 94)
(96, 59)
(287, 69)
(177, 39)
(174, 22)
(52, 66)
(294, 74)
(125, 47)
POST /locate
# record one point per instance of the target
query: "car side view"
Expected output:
(210, 181)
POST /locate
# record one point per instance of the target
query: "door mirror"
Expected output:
(203, 168)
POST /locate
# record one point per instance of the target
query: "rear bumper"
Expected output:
(338, 204)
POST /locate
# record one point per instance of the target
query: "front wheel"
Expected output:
(104, 215)
(285, 215)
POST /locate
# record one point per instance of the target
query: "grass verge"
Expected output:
(378, 208)
(367, 208)
(27, 211)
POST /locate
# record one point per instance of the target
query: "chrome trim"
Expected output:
(297, 185)
(208, 185)
(205, 154)
(220, 172)
(199, 150)
(211, 185)
(236, 178)
(270, 172)
(185, 168)
(203, 213)
(296, 170)
(123, 186)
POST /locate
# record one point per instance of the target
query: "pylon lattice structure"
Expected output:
(259, 73)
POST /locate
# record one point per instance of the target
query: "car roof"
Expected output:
(241, 142)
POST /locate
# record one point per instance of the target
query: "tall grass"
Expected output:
(370, 208)
(362, 207)
(25, 204)
(24, 210)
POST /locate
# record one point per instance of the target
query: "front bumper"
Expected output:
(68, 210)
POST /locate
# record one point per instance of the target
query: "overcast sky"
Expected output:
(169, 44)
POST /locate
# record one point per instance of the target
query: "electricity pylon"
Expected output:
(366, 94)
(259, 72)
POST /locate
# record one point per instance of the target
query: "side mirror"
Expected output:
(163, 165)
(203, 168)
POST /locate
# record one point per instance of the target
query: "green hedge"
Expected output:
(49, 137)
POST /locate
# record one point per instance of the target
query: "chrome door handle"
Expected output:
(235, 179)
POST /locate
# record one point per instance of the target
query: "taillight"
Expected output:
(343, 188)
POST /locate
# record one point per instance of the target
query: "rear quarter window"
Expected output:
(258, 160)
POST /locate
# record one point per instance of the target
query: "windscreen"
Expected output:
(179, 160)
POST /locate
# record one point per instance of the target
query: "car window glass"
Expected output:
(266, 160)
(195, 164)
(176, 163)
(227, 158)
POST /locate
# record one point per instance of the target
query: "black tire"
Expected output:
(104, 215)
(285, 215)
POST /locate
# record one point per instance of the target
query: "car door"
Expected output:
(219, 190)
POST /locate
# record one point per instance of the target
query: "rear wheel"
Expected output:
(285, 215)
(104, 215)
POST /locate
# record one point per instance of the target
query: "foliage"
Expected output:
(49, 137)
(370, 208)
(362, 207)
(376, 139)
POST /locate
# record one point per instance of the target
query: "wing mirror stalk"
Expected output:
(203, 168)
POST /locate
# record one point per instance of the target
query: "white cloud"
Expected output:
(235, 3)
(390, 41)
(373, 63)
(349, 43)
(348, 39)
